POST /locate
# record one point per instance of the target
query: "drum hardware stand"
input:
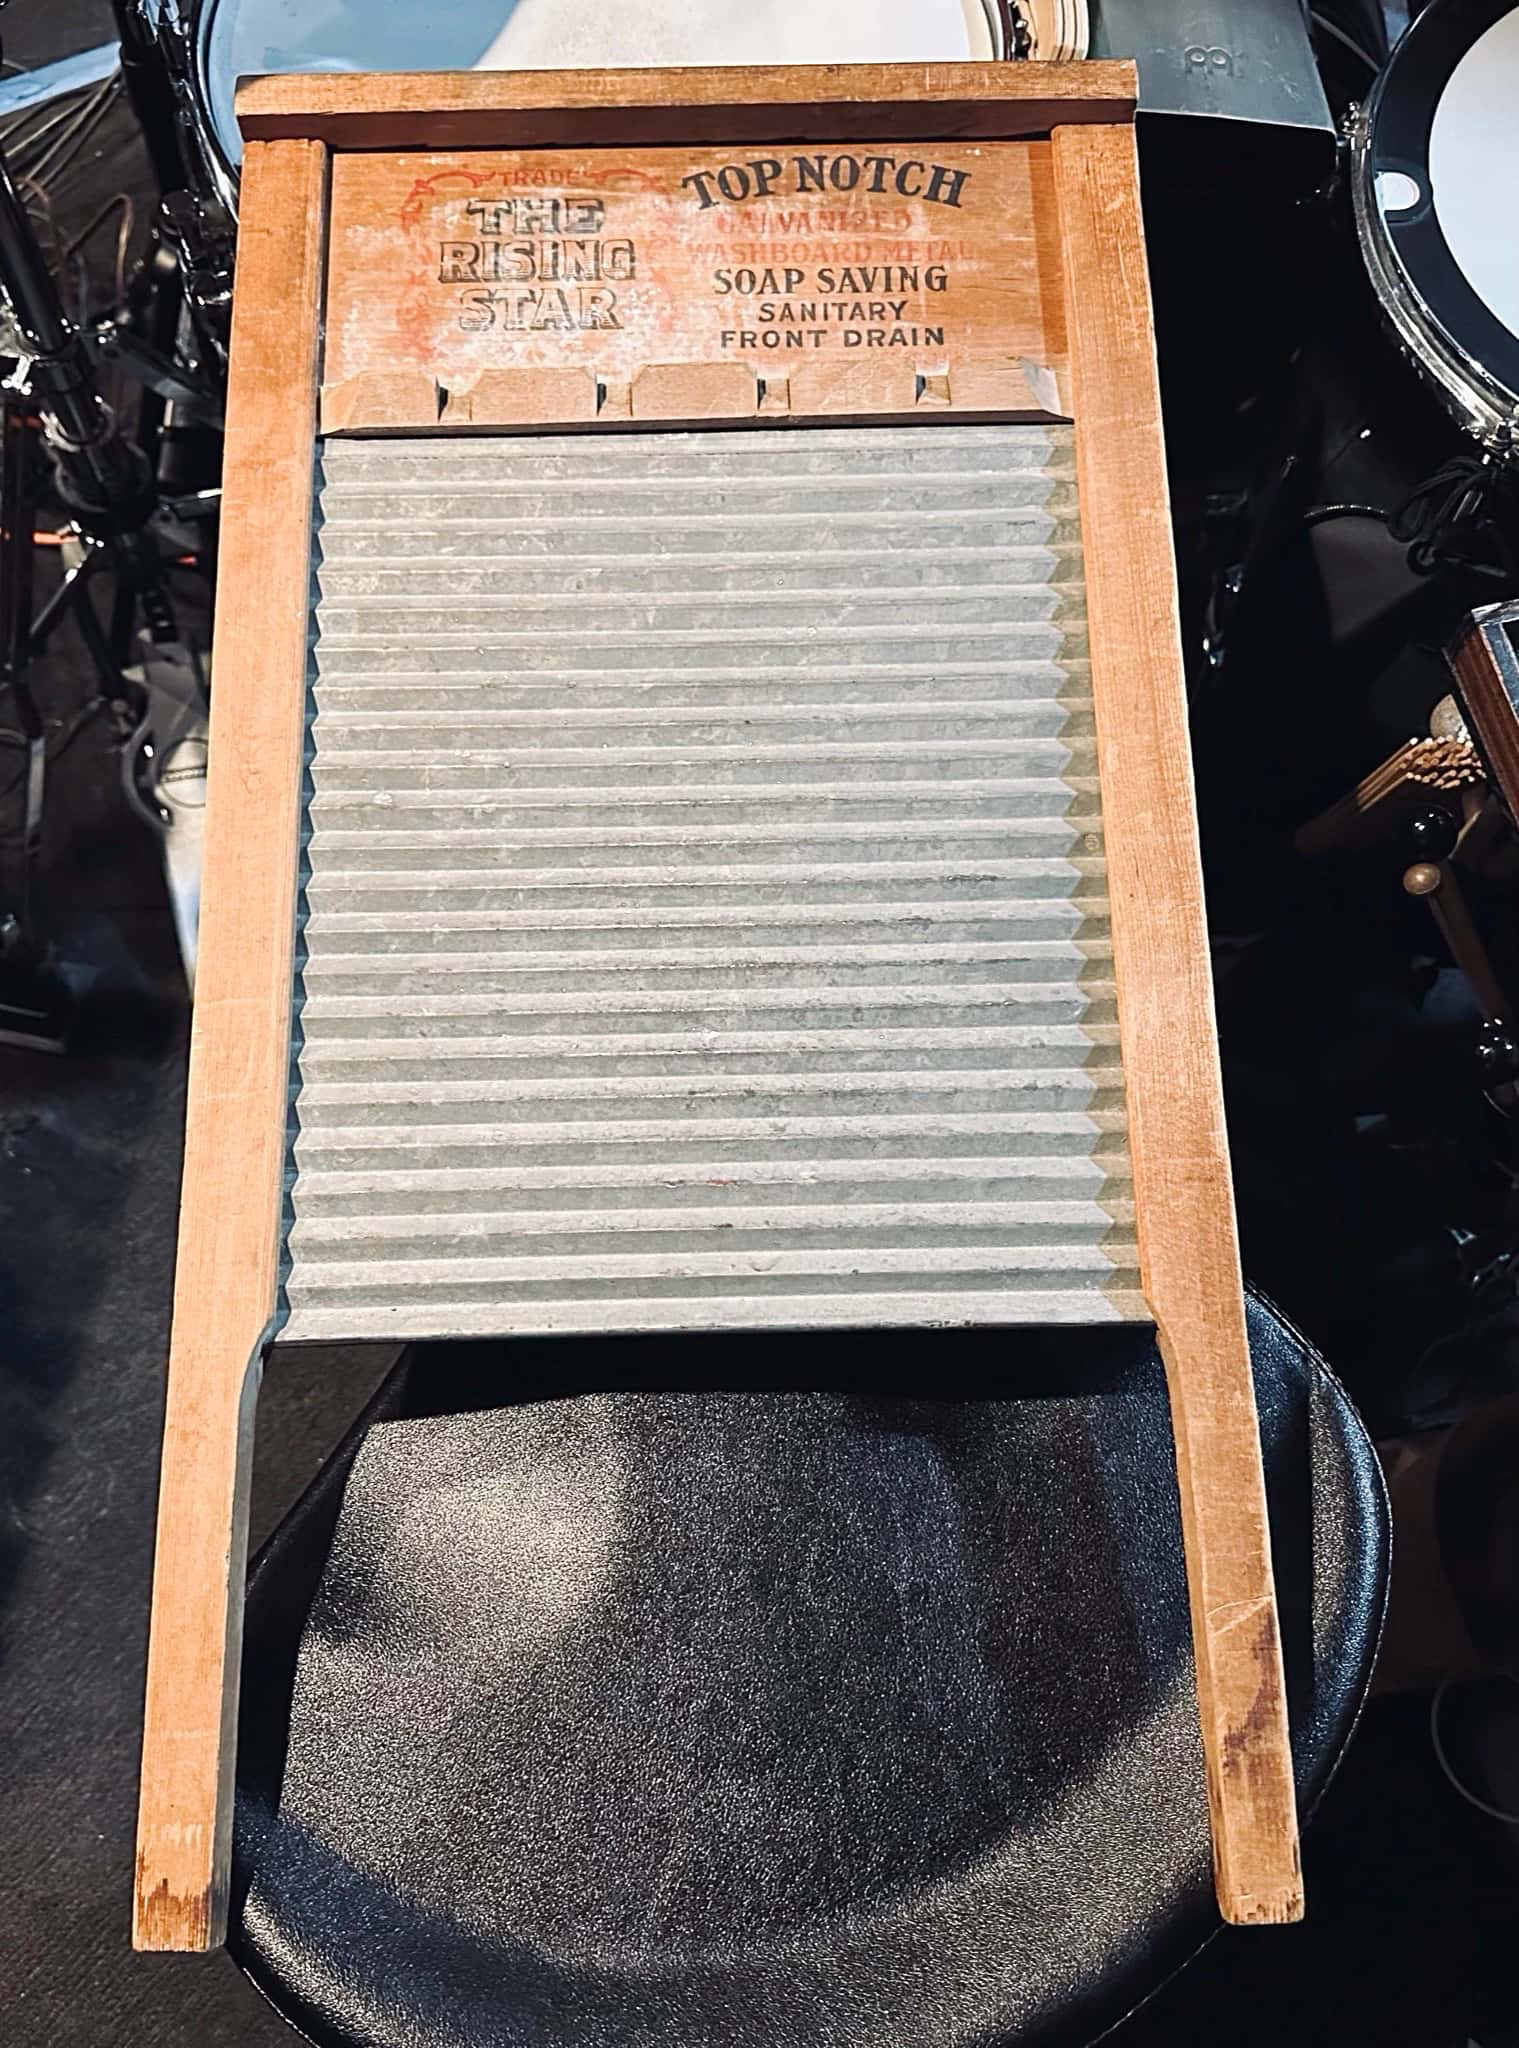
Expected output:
(158, 61)
(1431, 799)
(31, 1005)
(105, 482)
(201, 232)
(1244, 531)
(109, 489)
(157, 45)
(1497, 1052)
(195, 224)
(195, 228)
(151, 368)
(150, 85)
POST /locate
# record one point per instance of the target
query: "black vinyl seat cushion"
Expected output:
(764, 1694)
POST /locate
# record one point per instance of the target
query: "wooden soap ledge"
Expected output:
(414, 401)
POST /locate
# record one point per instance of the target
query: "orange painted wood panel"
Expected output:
(855, 273)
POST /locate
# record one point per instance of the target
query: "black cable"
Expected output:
(1465, 516)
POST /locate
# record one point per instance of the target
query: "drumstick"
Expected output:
(1406, 780)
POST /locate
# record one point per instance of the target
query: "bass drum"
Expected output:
(1435, 179)
(235, 38)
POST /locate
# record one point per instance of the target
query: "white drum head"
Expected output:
(1474, 167)
(555, 34)
(243, 37)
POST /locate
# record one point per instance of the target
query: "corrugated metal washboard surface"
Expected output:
(705, 921)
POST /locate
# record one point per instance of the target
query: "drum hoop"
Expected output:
(1456, 347)
(1483, 405)
(221, 169)
(1006, 21)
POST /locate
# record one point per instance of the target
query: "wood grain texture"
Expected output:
(848, 272)
(765, 103)
(1188, 1246)
(235, 1126)
(1486, 668)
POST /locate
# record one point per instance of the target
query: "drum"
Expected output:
(235, 38)
(1435, 179)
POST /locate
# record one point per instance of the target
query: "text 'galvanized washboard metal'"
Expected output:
(705, 917)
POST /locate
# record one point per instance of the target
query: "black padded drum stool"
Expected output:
(737, 1694)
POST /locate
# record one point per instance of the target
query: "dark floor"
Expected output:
(89, 1187)
(1413, 1914)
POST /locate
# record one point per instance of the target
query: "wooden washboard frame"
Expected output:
(1074, 125)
